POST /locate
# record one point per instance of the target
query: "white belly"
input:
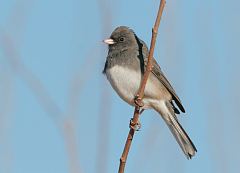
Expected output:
(126, 83)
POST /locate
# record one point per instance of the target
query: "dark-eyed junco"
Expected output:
(124, 68)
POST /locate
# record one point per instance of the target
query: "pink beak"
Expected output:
(109, 41)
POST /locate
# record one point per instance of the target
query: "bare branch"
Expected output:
(6, 110)
(140, 94)
(70, 139)
(103, 128)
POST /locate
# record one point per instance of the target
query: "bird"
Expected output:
(124, 68)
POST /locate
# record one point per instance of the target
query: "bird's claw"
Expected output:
(138, 101)
(135, 126)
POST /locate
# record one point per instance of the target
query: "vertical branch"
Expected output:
(6, 110)
(140, 94)
(105, 107)
(70, 139)
(69, 126)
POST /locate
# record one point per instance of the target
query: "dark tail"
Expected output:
(182, 138)
(178, 132)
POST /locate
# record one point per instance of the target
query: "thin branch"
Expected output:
(140, 94)
(70, 138)
(102, 157)
(6, 109)
(69, 126)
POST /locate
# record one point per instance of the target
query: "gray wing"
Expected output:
(156, 70)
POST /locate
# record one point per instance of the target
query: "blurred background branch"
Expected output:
(6, 111)
(102, 157)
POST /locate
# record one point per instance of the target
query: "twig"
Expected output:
(6, 111)
(103, 136)
(70, 138)
(140, 94)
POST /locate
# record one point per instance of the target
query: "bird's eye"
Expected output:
(121, 39)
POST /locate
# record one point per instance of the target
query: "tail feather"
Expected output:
(182, 138)
(177, 130)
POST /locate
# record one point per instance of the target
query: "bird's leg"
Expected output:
(138, 101)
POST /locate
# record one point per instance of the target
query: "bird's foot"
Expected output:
(138, 101)
(135, 126)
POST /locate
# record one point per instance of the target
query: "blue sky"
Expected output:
(59, 114)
